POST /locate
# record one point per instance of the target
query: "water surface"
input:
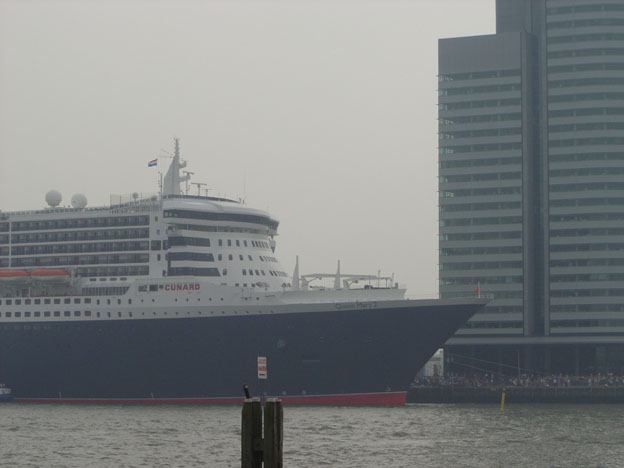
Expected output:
(61, 435)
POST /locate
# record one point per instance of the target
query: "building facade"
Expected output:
(531, 184)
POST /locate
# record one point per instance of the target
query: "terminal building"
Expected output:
(531, 186)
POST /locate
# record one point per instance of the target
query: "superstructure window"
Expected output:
(185, 241)
(235, 217)
(190, 271)
(199, 257)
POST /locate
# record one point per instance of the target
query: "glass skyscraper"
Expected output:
(531, 182)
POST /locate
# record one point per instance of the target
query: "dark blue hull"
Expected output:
(318, 353)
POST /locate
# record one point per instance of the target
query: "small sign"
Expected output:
(262, 367)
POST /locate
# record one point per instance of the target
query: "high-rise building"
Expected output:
(531, 152)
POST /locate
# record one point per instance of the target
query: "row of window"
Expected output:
(586, 127)
(490, 294)
(478, 236)
(585, 112)
(587, 141)
(468, 119)
(574, 96)
(79, 260)
(583, 67)
(481, 221)
(474, 192)
(483, 280)
(478, 75)
(258, 272)
(586, 232)
(593, 246)
(513, 249)
(587, 171)
(480, 177)
(585, 22)
(70, 236)
(562, 10)
(212, 216)
(587, 307)
(47, 300)
(125, 270)
(47, 313)
(194, 256)
(595, 37)
(586, 262)
(199, 227)
(480, 147)
(588, 202)
(47, 249)
(588, 217)
(500, 88)
(593, 186)
(177, 241)
(453, 164)
(479, 104)
(587, 323)
(555, 54)
(192, 271)
(479, 265)
(587, 277)
(587, 292)
(490, 132)
(243, 243)
(183, 241)
(480, 206)
(80, 223)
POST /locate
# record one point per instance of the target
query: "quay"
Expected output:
(492, 394)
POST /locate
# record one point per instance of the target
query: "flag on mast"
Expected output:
(477, 289)
(152, 163)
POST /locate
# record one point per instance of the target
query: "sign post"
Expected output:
(262, 368)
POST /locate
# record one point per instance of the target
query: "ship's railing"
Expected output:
(199, 197)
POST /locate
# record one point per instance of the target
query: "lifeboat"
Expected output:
(14, 276)
(50, 275)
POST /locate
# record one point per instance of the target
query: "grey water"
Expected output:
(61, 435)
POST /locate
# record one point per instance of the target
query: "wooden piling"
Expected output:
(273, 433)
(251, 434)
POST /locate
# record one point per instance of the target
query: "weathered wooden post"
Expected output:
(273, 433)
(251, 434)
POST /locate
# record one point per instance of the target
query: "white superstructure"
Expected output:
(159, 242)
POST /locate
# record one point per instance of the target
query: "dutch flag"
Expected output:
(152, 163)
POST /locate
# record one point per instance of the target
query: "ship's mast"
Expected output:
(173, 179)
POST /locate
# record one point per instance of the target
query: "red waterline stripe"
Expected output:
(385, 398)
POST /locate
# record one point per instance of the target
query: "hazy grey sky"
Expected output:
(322, 112)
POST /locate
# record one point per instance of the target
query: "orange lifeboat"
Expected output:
(50, 275)
(13, 276)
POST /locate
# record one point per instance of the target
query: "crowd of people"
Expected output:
(523, 380)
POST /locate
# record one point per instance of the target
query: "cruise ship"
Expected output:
(175, 298)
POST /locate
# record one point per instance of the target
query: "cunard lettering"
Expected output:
(182, 287)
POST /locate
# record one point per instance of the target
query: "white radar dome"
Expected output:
(79, 201)
(53, 198)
